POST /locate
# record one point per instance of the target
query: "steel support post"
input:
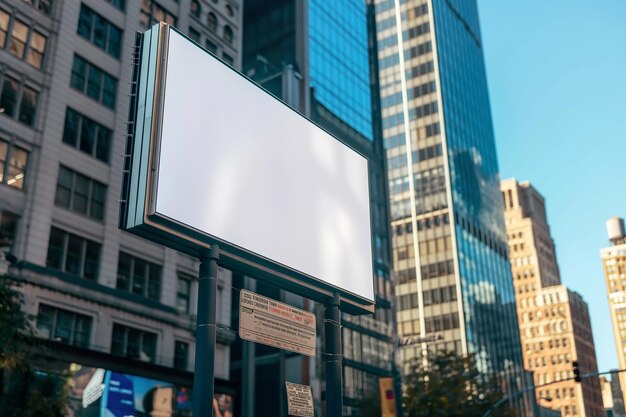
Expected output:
(334, 392)
(206, 333)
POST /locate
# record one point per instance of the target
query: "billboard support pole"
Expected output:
(334, 392)
(206, 334)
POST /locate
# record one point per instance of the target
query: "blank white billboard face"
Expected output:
(239, 165)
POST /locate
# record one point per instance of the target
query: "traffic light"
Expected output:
(576, 371)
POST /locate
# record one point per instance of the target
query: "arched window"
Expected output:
(228, 34)
(229, 10)
(212, 22)
(195, 8)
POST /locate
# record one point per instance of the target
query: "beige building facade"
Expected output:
(614, 263)
(555, 328)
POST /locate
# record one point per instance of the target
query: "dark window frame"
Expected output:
(18, 110)
(181, 355)
(86, 245)
(9, 222)
(44, 6)
(124, 338)
(7, 166)
(27, 50)
(88, 16)
(137, 282)
(91, 200)
(54, 325)
(91, 73)
(101, 135)
(118, 4)
(184, 296)
(148, 17)
(228, 34)
(212, 22)
(195, 9)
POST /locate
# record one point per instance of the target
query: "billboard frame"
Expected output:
(138, 202)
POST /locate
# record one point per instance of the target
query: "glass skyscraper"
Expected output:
(339, 61)
(449, 241)
(319, 57)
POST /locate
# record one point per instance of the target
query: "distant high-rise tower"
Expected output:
(449, 244)
(614, 262)
(555, 327)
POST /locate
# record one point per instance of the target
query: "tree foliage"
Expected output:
(14, 327)
(369, 404)
(24, 392)
(451, 386)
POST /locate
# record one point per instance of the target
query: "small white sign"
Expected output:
(276, 324)
(299, 400)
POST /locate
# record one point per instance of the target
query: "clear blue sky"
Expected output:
(557, 80)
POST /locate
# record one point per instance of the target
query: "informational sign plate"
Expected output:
(272, 323)
(299, 400)
(214, 159)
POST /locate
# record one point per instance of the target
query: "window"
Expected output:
(63, 326)
(18, 100)
(437, 269)
(418, 50)
(183, 293)
(79, 193)
(19, 37)
(42, 5)
(195, 9)
(227, 58)
(229, 10)
(181, 355)
(73, 254)
(8, 228)
(88, 136)
(212, 22)
(13, 161)
(4, 27)
(433, 129)
(228, 34)
(23, 42)
(28, 106)
(421, 69)
(92, 81)
(152, 13)
(443, 322)
(120, 4)
(133, 343)
(194, 34)
(37, 49)
(138, 276)
(210, 46)
(99, 31)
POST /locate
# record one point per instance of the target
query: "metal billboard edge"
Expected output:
(137, 208)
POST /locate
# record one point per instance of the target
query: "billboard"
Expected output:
(213, 158)
(98, 392)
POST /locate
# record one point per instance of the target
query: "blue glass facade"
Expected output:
(485, 273)
(449, 242)
(339, 61)
(330, 43)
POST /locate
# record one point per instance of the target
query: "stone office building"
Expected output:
(101, 297)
